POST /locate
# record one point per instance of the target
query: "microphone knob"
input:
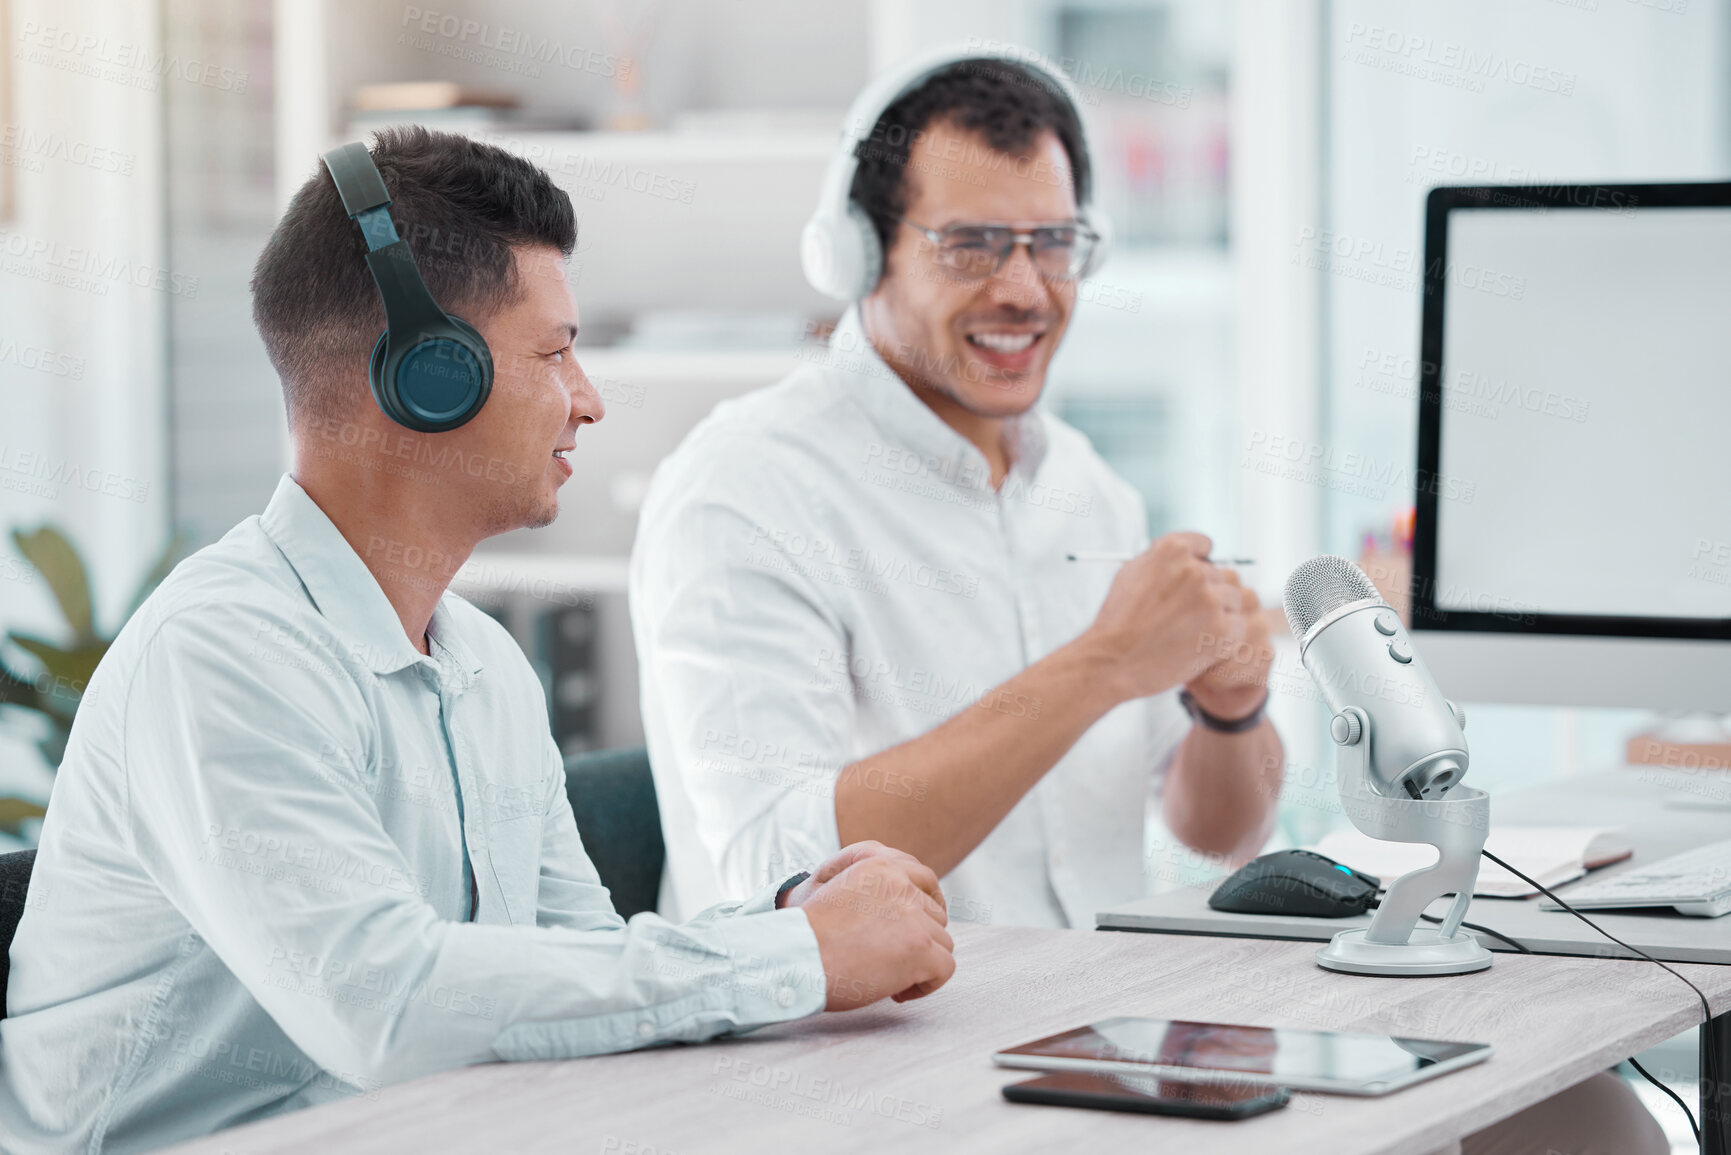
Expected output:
(1460, 714)
(1345, 728)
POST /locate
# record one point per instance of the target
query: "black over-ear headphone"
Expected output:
(429, 371)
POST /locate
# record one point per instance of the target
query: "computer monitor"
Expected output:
(1573, 534)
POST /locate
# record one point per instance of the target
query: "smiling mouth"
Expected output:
(1008, 344)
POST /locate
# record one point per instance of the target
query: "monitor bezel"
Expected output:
(1424, 613)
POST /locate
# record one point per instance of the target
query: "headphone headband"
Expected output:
(357, 178)
(839, 248)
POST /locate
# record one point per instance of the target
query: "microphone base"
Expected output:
(1427, 952)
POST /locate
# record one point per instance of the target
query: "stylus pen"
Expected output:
(1084, 555)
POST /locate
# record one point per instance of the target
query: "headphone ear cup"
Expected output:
(868, 250)
(383, 391)
(438, 381)
(470, 337)
(842, 257)
(817, 254)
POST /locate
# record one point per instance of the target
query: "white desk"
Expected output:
(1661, 812)
(1553, 1021)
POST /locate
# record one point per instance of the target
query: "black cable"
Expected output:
(1678, 1099)
(1706, 1007)
(1523, 948)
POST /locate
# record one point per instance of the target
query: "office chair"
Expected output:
(14, 880)
(613, 796)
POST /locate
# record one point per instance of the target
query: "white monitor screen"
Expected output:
(1585, 448)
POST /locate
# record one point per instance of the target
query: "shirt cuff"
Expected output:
(764, 969)
(763, 902)
(777, 968)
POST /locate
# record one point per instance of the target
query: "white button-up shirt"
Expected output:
(822, 571)
(290, 859)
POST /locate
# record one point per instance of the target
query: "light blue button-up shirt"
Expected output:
(289, 860)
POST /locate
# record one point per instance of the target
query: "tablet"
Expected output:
(1332, 1061)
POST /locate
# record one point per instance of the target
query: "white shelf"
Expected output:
(728, 147)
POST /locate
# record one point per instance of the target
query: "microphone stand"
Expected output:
(1456, 824)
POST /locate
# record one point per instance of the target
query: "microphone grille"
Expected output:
(1320, 586)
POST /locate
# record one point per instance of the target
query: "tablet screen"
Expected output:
(1272, 1054)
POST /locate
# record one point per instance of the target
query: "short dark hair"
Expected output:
(1004, 102)
(462, 205)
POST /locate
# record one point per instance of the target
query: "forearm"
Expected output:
(1221, 790)
(463, 993)
(938, 796)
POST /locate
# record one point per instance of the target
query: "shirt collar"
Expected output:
(442, 633)
(855, 365)
(344, 590)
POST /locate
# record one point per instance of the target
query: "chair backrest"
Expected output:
(14, 881)
(613, 795)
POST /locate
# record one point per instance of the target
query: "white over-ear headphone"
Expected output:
(839, 248)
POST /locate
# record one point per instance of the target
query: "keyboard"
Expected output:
(1696, 882)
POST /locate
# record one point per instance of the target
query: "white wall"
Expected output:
(1648, 101)
(1276, 137)
(82, 446)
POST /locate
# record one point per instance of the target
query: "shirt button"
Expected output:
(645, 1029)
(785, 997)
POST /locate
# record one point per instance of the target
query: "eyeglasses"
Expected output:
(974, 252)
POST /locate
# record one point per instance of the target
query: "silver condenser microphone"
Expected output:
(1359, 654)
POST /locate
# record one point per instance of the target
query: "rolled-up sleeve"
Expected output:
(737, 645)
(264, 837)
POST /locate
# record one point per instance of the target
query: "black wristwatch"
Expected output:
(789, 885)
(1222, 725)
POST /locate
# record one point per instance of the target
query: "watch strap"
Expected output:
(1222, 725)
(781, 893)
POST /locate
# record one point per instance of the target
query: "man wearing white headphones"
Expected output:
(852, 601)
(854, 613)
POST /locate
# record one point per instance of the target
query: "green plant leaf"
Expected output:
(57, 561)
(15, 691)
(15, 811)
(68, 669)
(171, 555)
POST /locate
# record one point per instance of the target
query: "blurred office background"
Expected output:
(1265, 162)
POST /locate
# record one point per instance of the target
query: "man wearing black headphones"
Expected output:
(311, 834)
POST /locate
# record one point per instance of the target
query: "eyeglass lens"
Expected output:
(1057, 250)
